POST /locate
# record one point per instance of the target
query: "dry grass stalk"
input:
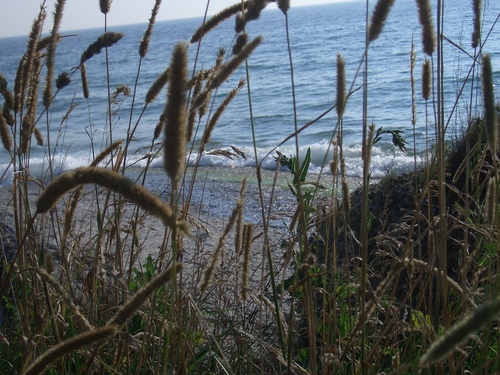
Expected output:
(460, 332)
(238, 235)
(174, 144)
(85, 82)
(5, 133)
(7, 114)
(477, 5)
(33, 89)
(113, 181)
(283, 5)
(378, 18)
(413, 57)
(334, 163)
(157, 85)
(254, 9)
(104, 6)
(29, 119)
(341, 87)
(38, 136)
(104, 41)
(241, 40)
(210, 270)
(28, 70)
(44, 42)
(425, 17)
(201, 101)
(218, 113)
(51, 53)
(49, 279)
(228, 68)
(240, 23)
(491, 201)
(97, 335)
(69, 214)
(138, 299)
(63, 80)
(426, 79)
(490, 111)
(158, 129)
(346, 197)
(146, 38)
(214, 21)
(8, 97)
(197, 84)
(31, 49)
(247, 249)
(18, 85)
(106, 152)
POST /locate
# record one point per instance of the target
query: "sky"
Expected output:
(17, 16)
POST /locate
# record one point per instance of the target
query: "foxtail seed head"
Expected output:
(460, 332)
(341, 86)
(378, 18)
(5, 133)
(104, 41)
(216, 20)
(104, 5)
(174, 144)
(476, 33)
(426, 79)
(114, 181)
(425, 17)
(146, 38)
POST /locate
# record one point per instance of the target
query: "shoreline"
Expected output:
(214, 195)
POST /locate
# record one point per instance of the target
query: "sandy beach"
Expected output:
(213, 197)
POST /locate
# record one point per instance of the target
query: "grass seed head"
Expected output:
(175, 137)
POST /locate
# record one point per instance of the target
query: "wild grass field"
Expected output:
(394, 277)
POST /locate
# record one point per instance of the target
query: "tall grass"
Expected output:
(394, 277)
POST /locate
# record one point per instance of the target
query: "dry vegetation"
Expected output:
(398, 277)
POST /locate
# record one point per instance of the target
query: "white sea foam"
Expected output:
(314, 48)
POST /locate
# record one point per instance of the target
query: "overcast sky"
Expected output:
(16, 16)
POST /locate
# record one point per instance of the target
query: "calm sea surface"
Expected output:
(317, 35)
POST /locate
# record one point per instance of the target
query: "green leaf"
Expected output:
(305, 165)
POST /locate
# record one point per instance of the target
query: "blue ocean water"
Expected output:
(317, 35)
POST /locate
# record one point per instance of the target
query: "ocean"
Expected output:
(317, 34)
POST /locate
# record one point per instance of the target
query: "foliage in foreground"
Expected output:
(398, 276)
